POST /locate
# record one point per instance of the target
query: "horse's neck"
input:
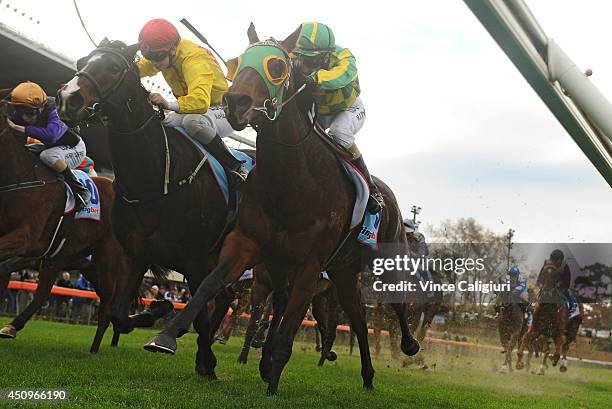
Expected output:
(298, 169)
(137, 158)
(16, 163)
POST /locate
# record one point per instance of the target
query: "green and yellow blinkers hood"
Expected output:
(259, 56)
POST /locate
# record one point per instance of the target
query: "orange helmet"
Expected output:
(28, 94)
(158, 35)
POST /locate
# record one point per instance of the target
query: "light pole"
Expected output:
(415, 210)
(509, 236)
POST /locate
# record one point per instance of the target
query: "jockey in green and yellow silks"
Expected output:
(332, 73)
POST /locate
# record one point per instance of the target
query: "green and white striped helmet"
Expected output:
(315, 38)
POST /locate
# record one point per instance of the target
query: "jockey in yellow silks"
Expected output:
(332, 74)
(198, 83)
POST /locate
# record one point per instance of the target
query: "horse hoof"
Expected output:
(161, 343)
(242, 360)
(272, 389)
(321, 361)
(410, 347)
(520, 365)
(204, 373)
(563, 369)
(504, 369)
(368, 386)
(8, 332)
(332, 356)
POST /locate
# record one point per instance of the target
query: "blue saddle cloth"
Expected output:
(216, 167)
(368, 235)
(92, 210)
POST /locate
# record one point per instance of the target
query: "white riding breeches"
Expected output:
(72, 156)
(207, 125)
(344, 125)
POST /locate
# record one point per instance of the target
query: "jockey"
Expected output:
(197, 82)
(33, 114)
(565, 280)
(332, 74)
(416, 240)
(517, 286)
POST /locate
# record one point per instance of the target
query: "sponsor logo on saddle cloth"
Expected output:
(92, 210)
(368, 235)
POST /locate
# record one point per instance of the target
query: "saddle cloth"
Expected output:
(214, 164)
(92, 209)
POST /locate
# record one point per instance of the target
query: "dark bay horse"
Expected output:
(296, 209)
(169, 210)
(510, 325)
(550, 320)
(32, 201)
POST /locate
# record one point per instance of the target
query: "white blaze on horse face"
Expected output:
(71, 87)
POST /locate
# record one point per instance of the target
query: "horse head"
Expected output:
(264, 80)
(548, 279)
(107, 77)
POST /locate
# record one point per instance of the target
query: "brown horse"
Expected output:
(510, 325)
(550, 320)
(170, 210)
(421, 314)
(324, 310)
(32, 200)
(296, 210)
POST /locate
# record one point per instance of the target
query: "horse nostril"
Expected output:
(74, 102)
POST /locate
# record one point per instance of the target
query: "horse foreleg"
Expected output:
(524, 344)
(348, 295)
(46, 279)
(559, 341)
(302, 292)
(256, 311)
(409, 345)
(238, 253)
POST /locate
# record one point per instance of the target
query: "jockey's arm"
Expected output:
(340, 75)
(199, 79)
(50, 133)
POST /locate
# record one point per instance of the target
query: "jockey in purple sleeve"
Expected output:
(33, 115)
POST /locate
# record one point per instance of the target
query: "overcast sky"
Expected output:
(451, 124)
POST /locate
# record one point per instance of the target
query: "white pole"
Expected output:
(588, 98)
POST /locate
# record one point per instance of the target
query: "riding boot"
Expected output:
(81, 193)
(375, 201)
(233, 167)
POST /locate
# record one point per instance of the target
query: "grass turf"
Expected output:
(53, 355)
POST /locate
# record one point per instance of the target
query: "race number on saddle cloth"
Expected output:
(92, 210)
(215, 166)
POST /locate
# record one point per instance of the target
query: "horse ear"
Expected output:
(105, 41)
(290, 42)
(131, 50)
(252, 34)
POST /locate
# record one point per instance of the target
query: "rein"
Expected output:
(24, 185)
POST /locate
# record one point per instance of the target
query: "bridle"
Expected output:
(271, 104)
(104, 96)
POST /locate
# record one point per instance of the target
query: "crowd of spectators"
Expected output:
(58, 307)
